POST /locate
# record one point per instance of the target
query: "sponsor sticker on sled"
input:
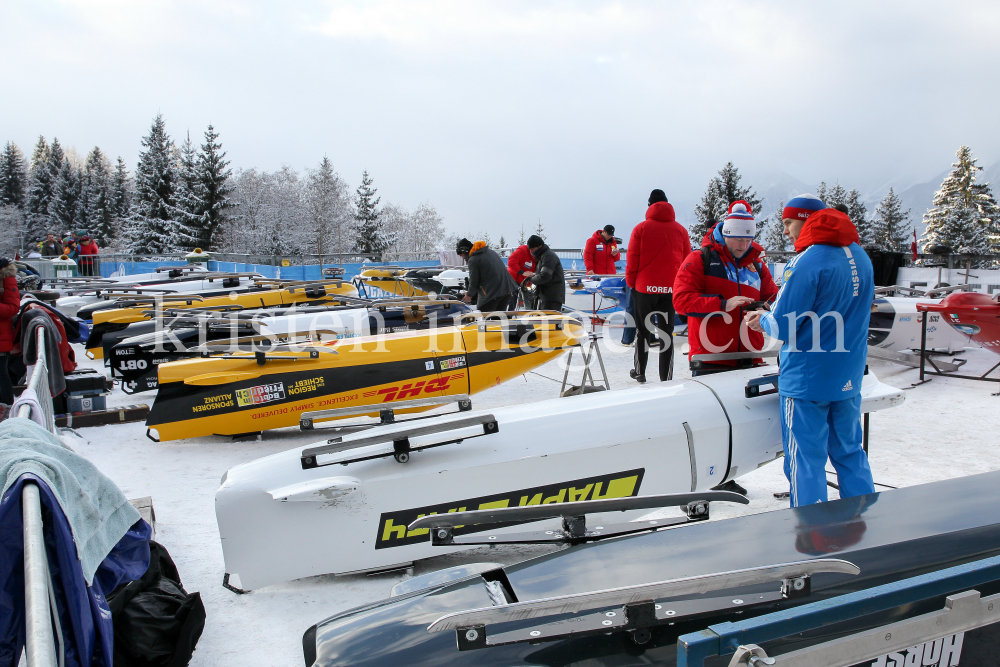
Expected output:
(392, 526)
(264, 393)
(454, 362)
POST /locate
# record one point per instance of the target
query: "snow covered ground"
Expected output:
(946, 428)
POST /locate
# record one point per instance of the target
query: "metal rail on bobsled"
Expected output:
(135, 353)
(261, 387)
(626, 602)
(263, 293)
(88, 294)
(414, 281)
(678, 436)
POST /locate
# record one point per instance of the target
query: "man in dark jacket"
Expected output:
(656, 249)
(549, 281)
(51, 247)
(489, 282)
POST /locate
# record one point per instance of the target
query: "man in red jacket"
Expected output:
(713, 286)
(87, 254)
(10, 304)
(601, 252)
(656, 249)
(521, 264)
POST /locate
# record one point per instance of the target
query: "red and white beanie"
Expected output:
(739, 224)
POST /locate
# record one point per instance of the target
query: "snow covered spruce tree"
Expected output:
(722, 190)
(13, 176)
(187, 208)
(372, 238)
(965, 216)
(891, 223)
(121, 190)
(150, 227)
(213, 174)
(858, 213)
(64, 207)
(97, 205)
(329, 211)
(39, 194)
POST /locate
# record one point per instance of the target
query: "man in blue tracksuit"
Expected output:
(822, 314)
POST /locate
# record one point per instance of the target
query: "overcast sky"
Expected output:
(501, 113)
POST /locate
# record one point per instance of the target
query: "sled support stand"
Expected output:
(387, 411)
(397, 438)
(593, 347)
(938, 370)
(631, 609)
(961, 612)
(574, 521)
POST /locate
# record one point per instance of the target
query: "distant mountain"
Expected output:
(776, 188)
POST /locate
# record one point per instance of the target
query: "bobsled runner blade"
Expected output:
(627, 595)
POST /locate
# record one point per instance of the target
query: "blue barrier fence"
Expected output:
(306, 272)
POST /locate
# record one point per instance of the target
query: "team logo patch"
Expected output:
(454, 362)
(787, 274)
(392, 531)
(264, 393)
(753, 267)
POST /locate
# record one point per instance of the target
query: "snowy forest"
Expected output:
(181, 197)
(965, 217)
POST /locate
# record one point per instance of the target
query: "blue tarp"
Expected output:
(84, 616)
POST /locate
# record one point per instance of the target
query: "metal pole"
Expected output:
(39, 643)
(923, 345)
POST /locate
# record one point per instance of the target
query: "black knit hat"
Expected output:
(463, 247)
(656, 196)
(534, 241)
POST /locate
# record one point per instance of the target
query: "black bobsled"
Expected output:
(625, 601)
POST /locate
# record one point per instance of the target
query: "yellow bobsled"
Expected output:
(251, 391)
(389, 279)
(264, 294)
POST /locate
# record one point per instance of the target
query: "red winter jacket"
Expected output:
(87, 249)
(600, 256)
(10, 304)
(656, 249)
(702, 297)
(521, 260)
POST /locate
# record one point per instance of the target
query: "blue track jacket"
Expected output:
(830, 280)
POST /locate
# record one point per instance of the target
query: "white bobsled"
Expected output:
(308, 511)
(895, 325)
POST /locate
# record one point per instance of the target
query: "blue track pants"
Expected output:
(812, 432)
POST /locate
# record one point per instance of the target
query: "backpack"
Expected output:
(156, 621)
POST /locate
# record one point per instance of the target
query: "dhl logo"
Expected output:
(392, 527)
(414, 389)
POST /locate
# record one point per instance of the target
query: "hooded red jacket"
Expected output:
(599, 256)
(827, 227)
(521, 260)
(702, 297)
(10, 305)
(656, 249)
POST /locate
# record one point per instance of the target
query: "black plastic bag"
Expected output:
(156, 621)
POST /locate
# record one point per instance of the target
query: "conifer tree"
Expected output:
(540, 230)
(39, 191)
(891, 223)
(213, 172)
(13, 176)
(372, 238)
(64, 208)
(97, 200)
(121, 194)
(774, 238)
(503, 241)
(723, 190)
(188, 209)
(149, 225)
(520, 239)
(327, 202)
(858, 214)
(965, 213)
(834, 196)
(821, 191)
